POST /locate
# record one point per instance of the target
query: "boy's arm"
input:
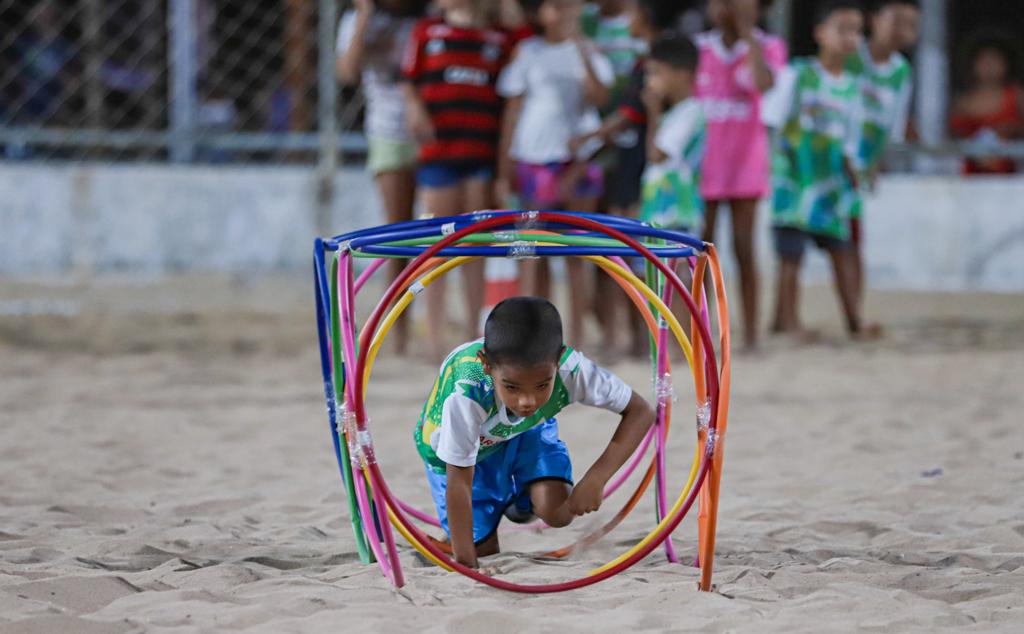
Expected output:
(506, 165)
(417, 118)
(586, 496)
(654, 104)
(745, 21)
(595, 90)
(459, 496)
(349, 62)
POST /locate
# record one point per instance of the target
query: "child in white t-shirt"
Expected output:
(371, 39)
(670, 192)
(553, 87)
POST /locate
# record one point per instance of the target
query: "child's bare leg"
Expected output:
(844, 263)
(744, 213)
(579, 298)
(548, 498)
(397, 191)
(858, 260)
(477, 192)
(787, 318)
(710, 220)
(489, 546)
(440, 201)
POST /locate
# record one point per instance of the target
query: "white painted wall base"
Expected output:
(921, 232)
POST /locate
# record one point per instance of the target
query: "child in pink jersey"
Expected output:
(738, 63)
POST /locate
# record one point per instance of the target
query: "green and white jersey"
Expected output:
(818, 119)
(613, 40)
(463, 421)
(670, 193)
(886, 91)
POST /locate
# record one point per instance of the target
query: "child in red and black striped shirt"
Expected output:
(450, 73)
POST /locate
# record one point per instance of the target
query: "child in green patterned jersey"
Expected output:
(886, 85)
(488, 432)
(816, 107)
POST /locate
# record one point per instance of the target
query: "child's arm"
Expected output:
(587, 495)
(350, 62)
(417, 117)
(654, 103)
(759, 69)
(595, 91)
(459, 497)
(506, 166)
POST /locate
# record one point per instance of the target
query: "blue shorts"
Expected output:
(448, 174)
(503, 478)
(791, 242)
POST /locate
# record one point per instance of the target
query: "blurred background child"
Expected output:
(886, 87)
(450, 73)
(371, 38)
(989, 106)
(817, 108)
(738, 63)
(553, 86)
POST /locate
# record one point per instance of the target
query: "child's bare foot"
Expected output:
(868, 332)
(800, 336)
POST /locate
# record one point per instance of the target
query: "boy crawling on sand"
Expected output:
(488, 432)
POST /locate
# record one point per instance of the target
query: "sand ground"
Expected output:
(165, 466)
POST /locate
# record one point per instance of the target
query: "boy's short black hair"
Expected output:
(523, 331)
(676, 50)
(663, 14)
(826, 9)
(877, 6)
(530, 7)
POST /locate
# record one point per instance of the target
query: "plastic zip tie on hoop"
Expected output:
(523, 250)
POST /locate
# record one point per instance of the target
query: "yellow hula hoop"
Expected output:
(605, 264)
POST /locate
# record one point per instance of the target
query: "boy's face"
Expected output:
(667, 81)
(613, 7)
(560, 16)
(723, 13)
(840, 33)
(523, 389)
(896, 25)
(639, 26)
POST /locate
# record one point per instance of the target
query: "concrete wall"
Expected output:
(922, 233)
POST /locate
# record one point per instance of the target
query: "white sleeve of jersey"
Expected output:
(898, 133)
(777, 103)
(590, 384)
(346, 31)
(457, 440)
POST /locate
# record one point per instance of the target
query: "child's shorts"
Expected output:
(503, 478)
(791, 242)
(537, 184)
(448, 174)
(387, 155)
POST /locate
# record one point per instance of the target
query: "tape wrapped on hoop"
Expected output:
(709, 444)
(505, 236)
(528, 220)
(704, 416)
(448, 228)
(523, 250)
(360, 443)
(664, 390)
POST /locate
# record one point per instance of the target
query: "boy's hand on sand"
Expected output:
(586, 496)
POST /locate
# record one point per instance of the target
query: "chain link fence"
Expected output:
(173, 80)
